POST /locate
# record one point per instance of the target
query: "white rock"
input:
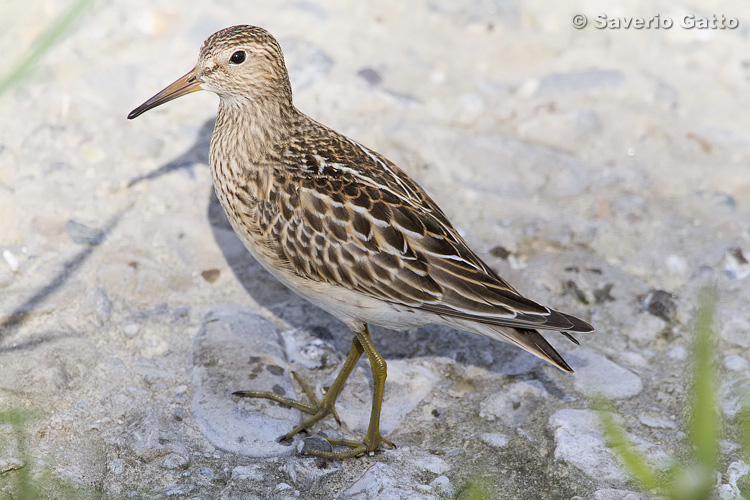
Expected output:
(729, 490)
(382, 481)
(657, 422)
(613, 494)
(238, 350)
(678, 352)
(443, 487)
(596, 375)
(736, 363)
(495, 439)
(514, 403)
(579, 441)
(251, 472)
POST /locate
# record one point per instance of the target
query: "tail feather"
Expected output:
(527, 339)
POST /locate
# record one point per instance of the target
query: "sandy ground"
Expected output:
(603, 172)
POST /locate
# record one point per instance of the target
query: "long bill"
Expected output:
(187, 84)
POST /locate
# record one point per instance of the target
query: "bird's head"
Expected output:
(241, 64)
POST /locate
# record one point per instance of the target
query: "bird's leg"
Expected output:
(372, 438)
(318, 409)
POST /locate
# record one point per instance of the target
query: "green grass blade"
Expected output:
(17, 420)
(42, 45)
(704, 425)
(635, 464)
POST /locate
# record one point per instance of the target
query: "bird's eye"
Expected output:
(238, 57)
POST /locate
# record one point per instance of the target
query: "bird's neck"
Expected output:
(253, 131)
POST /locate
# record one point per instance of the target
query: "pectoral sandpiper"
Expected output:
(342, 226)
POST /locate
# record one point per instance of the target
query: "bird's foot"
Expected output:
(317, 408)
(357, 448)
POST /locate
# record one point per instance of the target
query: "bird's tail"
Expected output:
(527, 339)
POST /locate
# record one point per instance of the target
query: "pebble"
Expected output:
(314, 443)
(614, 494)
(662, 305)
(149, 440)
(247, 472)
(579, 441)
(495, 439)
(728, 489)
(736, 263)
(736, 363)
(657, 422)
(382, 481)
(596, 375)
(514, 404)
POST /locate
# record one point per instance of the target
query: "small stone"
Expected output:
(249, 472)
(500, 252)
(596, 375)
(131, 329)
(662, 305)
(380, 481)
(736, 263)
(211, 275)
(736, 363)
(116, 466)
(514, 404)
(371, 76)
(614, 494)
(11, 260)
(180, 489)
(150, 441)
(443, 487)
(656, 422)
(678, 352)
(579, 441)
(432, 463)
(314, 443)
(82, 234)
(729, 490)
(495, 439)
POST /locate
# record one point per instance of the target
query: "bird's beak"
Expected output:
(189, 83)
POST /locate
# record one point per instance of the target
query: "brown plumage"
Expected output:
(341, 225)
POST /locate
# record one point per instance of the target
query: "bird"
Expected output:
(344, 227)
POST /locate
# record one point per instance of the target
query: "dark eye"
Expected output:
(238, 57)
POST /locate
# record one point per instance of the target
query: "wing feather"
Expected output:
(371, 229)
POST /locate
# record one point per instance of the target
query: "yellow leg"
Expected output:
(318, 409)
(372, 437)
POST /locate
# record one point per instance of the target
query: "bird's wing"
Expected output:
(348, 216)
